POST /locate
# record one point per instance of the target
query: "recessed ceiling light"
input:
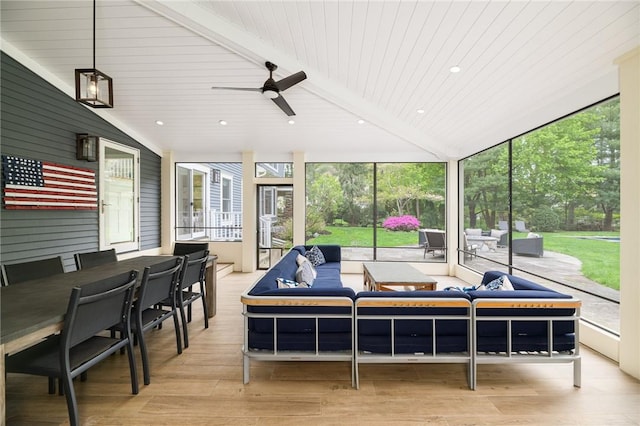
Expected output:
(420, 111)
(292, 122)
(454, 69)
(361, 121)
(222, 122)
(160, 122)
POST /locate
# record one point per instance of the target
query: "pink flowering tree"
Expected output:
(401, 223)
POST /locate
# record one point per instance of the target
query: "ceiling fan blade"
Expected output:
(247, 89)
(283, 105)
(287, 82)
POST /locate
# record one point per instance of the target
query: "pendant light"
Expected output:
(94, 88)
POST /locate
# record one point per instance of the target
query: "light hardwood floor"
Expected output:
(203, 386)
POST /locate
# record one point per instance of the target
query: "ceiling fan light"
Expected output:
(271, 94)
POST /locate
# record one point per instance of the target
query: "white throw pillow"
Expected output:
(304, 274)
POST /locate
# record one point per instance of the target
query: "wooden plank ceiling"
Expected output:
(522, 64)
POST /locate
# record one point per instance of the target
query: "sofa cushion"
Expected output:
(518, 283)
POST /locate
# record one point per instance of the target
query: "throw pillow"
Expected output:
(304, 274)
(284, 283)
(315, 256)
(300, 259)
(499, 284)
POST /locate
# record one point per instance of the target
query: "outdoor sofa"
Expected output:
(329, 322)
(530, 246)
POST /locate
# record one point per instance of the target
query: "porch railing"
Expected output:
(225, 226)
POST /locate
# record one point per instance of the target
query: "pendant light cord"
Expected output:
(94, 34)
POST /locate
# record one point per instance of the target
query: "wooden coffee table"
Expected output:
(381, 276)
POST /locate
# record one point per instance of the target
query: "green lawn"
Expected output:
(600, 259)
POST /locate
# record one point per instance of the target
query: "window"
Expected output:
(209, 201)
(562, 223)
(226, 198)
(274, 170)
(376, 210)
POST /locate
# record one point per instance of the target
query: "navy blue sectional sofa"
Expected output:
(329, 322)
(298, 324)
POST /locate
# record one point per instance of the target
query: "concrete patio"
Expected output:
(563, 268)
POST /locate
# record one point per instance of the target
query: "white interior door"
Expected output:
(119, 171)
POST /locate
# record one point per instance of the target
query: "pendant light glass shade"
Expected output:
(94, 88)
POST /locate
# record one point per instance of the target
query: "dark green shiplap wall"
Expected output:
(40, 122)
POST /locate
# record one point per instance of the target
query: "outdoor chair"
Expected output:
(434, 240)
(92, 308)
(20, 272)
(158, 285)
(180, 249)
(94, 258)
(520, 227)
(503, 225)
(471, 250)
(192, 274)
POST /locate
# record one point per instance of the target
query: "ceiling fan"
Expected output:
(271, 88)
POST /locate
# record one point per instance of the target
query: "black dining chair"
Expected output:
(159, 283)
(180, 249)
(192, 274)
(16, 273)
(92, 308)
(94, 258)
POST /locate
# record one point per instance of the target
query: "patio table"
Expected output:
(35, 309)
(485, 243)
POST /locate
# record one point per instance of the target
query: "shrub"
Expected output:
(545, 219)
(401, 223)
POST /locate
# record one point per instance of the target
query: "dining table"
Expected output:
(33, 310)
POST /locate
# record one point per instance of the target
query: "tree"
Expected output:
(553, 166)
(355, 180)
(486, 186)
(325, 194)
(607, 142)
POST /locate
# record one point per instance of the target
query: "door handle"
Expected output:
(104, 205)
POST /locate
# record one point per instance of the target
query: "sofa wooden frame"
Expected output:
(286, 355)
(511, 356)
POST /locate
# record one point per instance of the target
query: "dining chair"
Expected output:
(159, 283)
(192, 274)
(94, 258)
(180, 249)
(92, 308)
(16, 273)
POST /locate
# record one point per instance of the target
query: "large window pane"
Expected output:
(339, 207)
(377, 218)
(410, 200)
(484, 207)
(564, 210)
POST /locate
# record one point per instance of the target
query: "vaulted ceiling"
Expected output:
(521, 64)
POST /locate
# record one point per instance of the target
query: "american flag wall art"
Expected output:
(33, 184)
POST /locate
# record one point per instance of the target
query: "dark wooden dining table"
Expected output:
(34, 309)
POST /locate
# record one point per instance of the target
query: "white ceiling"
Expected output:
(523, 64)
